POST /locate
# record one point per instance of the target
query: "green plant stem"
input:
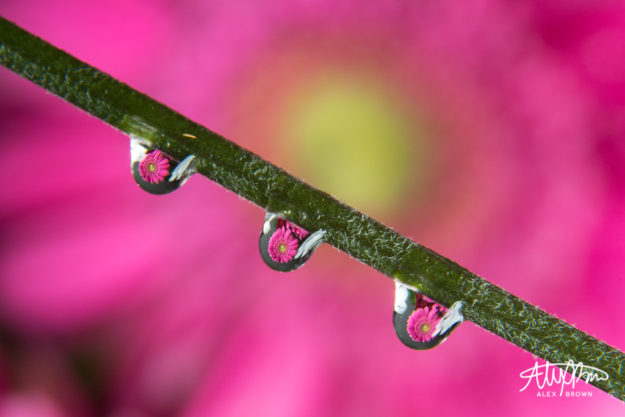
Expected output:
(275, 190)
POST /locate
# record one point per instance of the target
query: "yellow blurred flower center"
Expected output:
(350, 137)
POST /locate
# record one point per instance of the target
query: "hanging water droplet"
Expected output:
(421, 323)
(285, 246)
(155, 171)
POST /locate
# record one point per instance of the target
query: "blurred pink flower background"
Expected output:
(489, 131)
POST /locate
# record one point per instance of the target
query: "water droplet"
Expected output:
(422, 323)
(155, 171)
(285, 246)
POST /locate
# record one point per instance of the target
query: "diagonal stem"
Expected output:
(275, 190)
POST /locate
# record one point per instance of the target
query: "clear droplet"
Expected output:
(422, 323)
(156, 172)
(285, 246)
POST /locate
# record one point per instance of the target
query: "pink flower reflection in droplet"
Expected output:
(282, 245)
(422, 323)
(154, 167)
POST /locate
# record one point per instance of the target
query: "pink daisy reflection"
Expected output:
(282, 245)
(154, 167)
(421, 324)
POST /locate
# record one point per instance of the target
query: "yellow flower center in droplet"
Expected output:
(351, 136)
(425, 327)
(282, 248)
(151, 167)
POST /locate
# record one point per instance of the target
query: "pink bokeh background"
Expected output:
(119, 303)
